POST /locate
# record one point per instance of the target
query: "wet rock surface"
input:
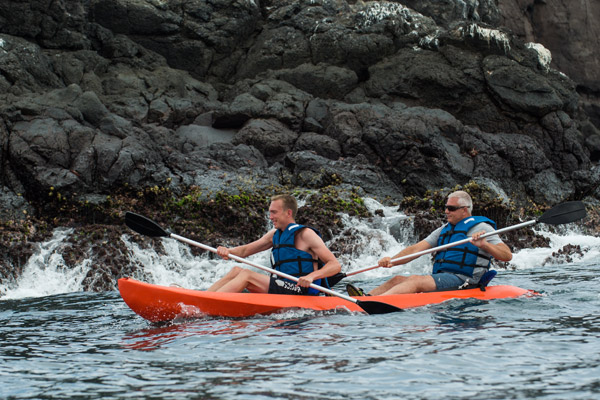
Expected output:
(174, 108)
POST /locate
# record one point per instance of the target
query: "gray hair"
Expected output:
(463, 199)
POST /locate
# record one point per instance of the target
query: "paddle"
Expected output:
(147, 227)
(564, 213)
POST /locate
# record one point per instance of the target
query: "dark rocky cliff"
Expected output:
(136, 99)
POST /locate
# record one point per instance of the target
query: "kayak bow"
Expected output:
(158, 303)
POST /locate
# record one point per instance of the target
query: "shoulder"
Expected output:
(438, 230)
(310, 237)
(486, 227)
(433, 236)
(307, 232)
(481, 219)
(269, 235)
(482, 226)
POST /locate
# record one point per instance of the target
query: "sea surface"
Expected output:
(58, 342)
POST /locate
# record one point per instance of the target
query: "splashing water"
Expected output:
(385, 234)
(538, 257)
(46, 273)
(177, 266)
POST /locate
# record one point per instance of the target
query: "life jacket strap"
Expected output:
(280, 245)
(465, 251)
(299, 260)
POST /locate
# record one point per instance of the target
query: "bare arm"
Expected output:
(243, 251)
(415, 248)
(309, 239)
(499, 251)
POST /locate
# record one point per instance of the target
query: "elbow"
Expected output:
(336, 268)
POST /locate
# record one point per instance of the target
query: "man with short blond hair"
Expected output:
(289, 202)
(296, 250)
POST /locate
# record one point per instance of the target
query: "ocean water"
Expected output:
(58, 342)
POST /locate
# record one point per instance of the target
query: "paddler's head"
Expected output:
(458, 207)
(282, 210)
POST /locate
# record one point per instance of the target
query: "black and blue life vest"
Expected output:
(285, 257)
(460, 259)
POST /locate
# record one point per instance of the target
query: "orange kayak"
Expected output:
(164, 303)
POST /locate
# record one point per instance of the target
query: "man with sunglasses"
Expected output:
(457, 266)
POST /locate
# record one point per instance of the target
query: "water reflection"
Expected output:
(155, 337)
(467, 314)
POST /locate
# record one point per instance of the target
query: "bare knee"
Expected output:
(396, 280)
(388, 285)
(236, 270)
(422, 283)
(244, 273)
(412, 284)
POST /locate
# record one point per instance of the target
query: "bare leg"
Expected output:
(396, 280)
(413, 284)
(233, 272)
(243, 279)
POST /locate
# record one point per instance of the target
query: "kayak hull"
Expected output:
(158, 303)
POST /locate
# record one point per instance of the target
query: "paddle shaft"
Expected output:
(446, 246)
(146, 226)
(267, 269)
(561, 214)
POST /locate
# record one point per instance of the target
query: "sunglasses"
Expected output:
(454, 208)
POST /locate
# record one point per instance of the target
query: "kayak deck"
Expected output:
(158, 303)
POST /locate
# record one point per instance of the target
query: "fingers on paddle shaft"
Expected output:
(376, 307)
(564, 213)
(143, 225)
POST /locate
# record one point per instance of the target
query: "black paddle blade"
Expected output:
(334, 280)
(376, 307)
(143, 225)
(564, 213)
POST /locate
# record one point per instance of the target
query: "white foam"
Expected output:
(538, 257)
(178, 266)
(381, 236)
(46, 272)
(386, 234)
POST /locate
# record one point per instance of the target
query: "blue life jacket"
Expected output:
(461, 259)
(285, 257)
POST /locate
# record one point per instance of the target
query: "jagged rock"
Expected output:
(446, 12)
(322, 81)
(118, 96)
(322, 145)
(117, 83)
(190, 137)
(16, 206)
(24, 67)
(569, 31)
(270, 137)
(313, 171)
(523, 89)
